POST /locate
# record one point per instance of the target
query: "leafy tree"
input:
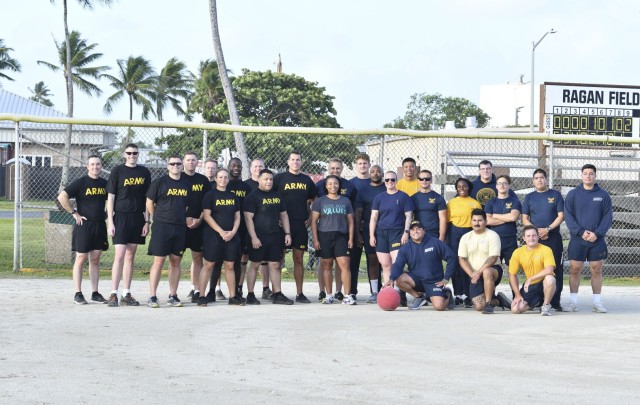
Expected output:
(135, 78)
(7, 62)
(272, 99)
(87, 4)
(41, 94)
(431, 111)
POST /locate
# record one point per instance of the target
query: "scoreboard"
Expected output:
(591, 109)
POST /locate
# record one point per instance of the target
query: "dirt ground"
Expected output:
(55, 352)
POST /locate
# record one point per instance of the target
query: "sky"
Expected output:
(370, 55)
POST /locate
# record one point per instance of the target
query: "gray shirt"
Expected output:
(333, 214)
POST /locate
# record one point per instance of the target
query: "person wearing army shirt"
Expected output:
(210, 170)
(168, 200)
(266, 219)
(222, 243)
(200, 185)
(89, 236)
(297, 190)
(127, 220)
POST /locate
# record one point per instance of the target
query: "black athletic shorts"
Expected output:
(128, 228)
(478, 288)
(535, 296)
(271, 250)
(167, 239)
(299, 234)
(388, 240)
(194, 238)
(244, 239)
(217, 250)
(91, 235)
(333, 244)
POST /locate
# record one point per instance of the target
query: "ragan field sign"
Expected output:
(591, 109)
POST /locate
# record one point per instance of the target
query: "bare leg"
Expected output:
(154, 274)
(77, 270)
(127, 268)
(386, 262)
(230, 277)
(205, 277)
(174, 273)
(94, 268)
(574, 275)
(298, 269)
(275, 276)
(327, 274)
(343, 263)
(549, 288)
(116, 268)
(596, 276)
(196, 268)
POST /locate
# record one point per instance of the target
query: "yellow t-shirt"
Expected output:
(409, 187)
(478, 247)
(459, 211)
(531, 261)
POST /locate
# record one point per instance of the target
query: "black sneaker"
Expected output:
(113, 300)
(322, 296)
(220, 295)
(488, 309)
(252, 300)
(195, 297)
(301, 298)
(236, 301)
(190, 295)
(202, 301)
(266, 294)
(79, 299)
(211, 296)
(468, 303)
(280, 298)
(458, 301)
(97, 297)
(403, 299)
(338, 296)
(452, 302)
(558, 308)
(503, 301)
(128, 300)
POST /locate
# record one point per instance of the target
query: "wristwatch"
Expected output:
(406, 231)
(548, 229)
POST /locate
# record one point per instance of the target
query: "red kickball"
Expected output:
(388, 299)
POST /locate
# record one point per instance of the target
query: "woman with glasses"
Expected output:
(430, 207)
(459, 218)
(391, 215)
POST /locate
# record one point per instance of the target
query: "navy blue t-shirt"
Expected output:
(504, 206)
(427, 207)
(588, 210)
(359, 184)
(364, 199)
(424, 260)
(543, 208)
(392, 209)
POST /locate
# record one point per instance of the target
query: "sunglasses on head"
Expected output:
(424, 178)
(132, 153)
(390, 180)
(175, 164)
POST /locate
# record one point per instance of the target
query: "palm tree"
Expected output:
(226, 85)
(41, 94)
(208, 92)
(88, 4)
(7, 62)
(171, 86)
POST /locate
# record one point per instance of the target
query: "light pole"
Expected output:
(533, 54)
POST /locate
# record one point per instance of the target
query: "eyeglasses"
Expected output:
(502, 183)
(132, 153)
(175, 164)
(424, 178)
(389, 180)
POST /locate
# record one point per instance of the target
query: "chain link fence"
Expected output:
(44, 231)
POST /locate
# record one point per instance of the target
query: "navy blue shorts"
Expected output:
(91, 235)
(581, 250)
(194, 238)
(333, 244)
(388, 240)
(370, 250)
(507, 246)
(167, 239)
(429, 289)
(535, 296)
(477, 289)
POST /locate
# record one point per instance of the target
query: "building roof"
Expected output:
(14, 104)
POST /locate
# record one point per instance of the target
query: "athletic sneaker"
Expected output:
(338, 296)
(190, 296)
(79, 299)
(236, 301)
(252, 300)
(97, 297)
(266, 294)
(468, 303)
(458, 300)
(598, 307)
(211, 296)
(328, 299)
(174, 301)
(322, 296)
(280, 298)
(488, 309)
(152, 302)
(557, 308)
(373, 299)
(545, 310)
(195, 298)
(220, 295)
(128, 300)
(113, 300)
(503, 301)
(571, 307)
(203, 301)
(449, 293)
(418, 302)
(348, 300)
(301, 298)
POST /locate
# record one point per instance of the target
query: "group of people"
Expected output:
(405, 229)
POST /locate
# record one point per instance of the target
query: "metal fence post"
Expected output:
(551, 168)
(17, 174)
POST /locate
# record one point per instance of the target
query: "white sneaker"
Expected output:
(328, 299)
(571, 307)
(348, 300)
(545, 310)
(598, 307)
